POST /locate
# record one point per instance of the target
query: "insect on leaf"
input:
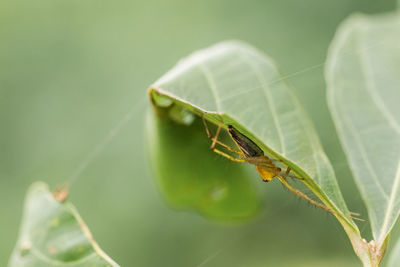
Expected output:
(363, 77)
(232, 83)
(53, 234)
(190, 176)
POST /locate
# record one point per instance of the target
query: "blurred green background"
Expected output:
(70, 71)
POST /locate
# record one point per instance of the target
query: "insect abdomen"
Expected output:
(248, 147)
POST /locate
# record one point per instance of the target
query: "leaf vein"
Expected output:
(212, 86)
(363, 154)
(268, 96)
(366, 69)
(389, 207)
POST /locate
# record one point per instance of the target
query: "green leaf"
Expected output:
(394, 257)
(363, 77)
(53, 234)
(191, 177)
(234, 83)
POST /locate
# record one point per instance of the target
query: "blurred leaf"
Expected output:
(53, 234)
(191, 177)
(394, 257)
(233, 83)
(363, 76)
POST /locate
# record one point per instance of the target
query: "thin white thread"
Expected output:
(103, 143)
(114, 131)
(210, 258)
(294, 74)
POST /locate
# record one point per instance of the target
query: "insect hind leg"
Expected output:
(287, 174)
(216, 141)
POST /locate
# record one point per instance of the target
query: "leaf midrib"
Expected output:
(211, 84)
(393, 194)
(268, 97)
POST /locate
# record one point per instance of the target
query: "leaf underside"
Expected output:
(363, 76)
(190, 176)
(53, 234)
(234, 83)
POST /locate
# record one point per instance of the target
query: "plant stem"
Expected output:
(370, 253)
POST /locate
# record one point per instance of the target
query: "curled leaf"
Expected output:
(53, 234)
(232, 83)
(192, 177)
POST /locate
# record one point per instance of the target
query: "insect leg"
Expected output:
(206, 127)
(300, 194)
(227, 155)
(216, 141)
(286, 174)
(319, 205)
(215, 138)
(288, 169)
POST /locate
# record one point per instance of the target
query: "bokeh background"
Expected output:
(71, 70)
